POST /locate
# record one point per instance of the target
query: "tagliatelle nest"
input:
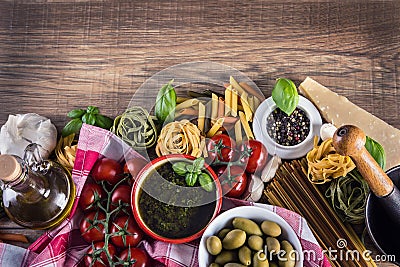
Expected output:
(180, 137)
(325, 164)
(66, 151)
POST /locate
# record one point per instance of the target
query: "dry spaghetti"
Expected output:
(180, 137)
(325, 164)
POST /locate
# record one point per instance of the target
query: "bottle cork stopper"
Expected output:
(10, 168)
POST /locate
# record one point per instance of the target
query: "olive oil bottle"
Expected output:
(37, 193)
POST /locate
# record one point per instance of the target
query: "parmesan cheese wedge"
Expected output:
(339, 111)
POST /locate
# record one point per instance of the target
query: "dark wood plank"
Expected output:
(58, 56)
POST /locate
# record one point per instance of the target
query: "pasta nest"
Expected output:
(180, 137)
(325, 164)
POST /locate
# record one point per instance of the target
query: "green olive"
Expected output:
(249, 226)
(221, 234)
(214, 245)
(226, 256)
(273, 245)
(234, 239)
(245, 255)
(255, 242)
(215, 265)
(233, 264)
(288, 260)
(273, 264)
(271, 228)
(260, 260)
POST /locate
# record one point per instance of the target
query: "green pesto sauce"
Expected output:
(177, 215)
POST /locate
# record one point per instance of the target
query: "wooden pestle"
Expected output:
(349, 140)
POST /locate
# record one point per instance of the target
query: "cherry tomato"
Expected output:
(108, 170)
(258, 155)
(134, 166)
(91, 193)
(235, 184)
(90, 227)
(224, 144)
(95, 257)
(121, 194)
(135, 256)
(129, 229)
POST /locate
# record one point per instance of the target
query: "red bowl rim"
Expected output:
(135, 210)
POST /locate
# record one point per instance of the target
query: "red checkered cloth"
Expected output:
(63, 246)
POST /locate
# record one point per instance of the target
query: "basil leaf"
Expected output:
(285, 95)
(73, 126)
(165, 103)
(198, 164)
(76, 113)
(89, 118)
(191, 178)
(206, 182)
(180, 168)
(376, 150)
(104, 122)
(93, 110)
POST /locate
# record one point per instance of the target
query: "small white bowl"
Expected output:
(286, 152)
(256, 214)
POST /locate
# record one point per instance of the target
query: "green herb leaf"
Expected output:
(76, 113)
(104, 122)
(89, 118)
(93, 110)
(285, 95)
(376, 150)
(191, 178)
(165, 103)
(206, 182)
(73, 126)
(198, 164)
(180, 168)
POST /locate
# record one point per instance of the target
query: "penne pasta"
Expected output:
(250, 99)
(228, 98)
(236, 85)
(246, 126)
(191, 103)
(180, 99)
(251, 91)
(186, 112)
(201, 117)
(215, 127)
(214, 107)
(238, 133)
(246, 107)
(256, 103)
(221, 107)
(234, 103)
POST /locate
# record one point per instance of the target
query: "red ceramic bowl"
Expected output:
(140, 186)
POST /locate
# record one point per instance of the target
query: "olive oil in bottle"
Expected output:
(37, 199)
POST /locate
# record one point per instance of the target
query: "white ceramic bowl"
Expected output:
(256, 214)
(286, 152)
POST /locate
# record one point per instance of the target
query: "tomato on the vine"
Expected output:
(222, 147)
(91, 227)
(122, 193)
(106, 169)
(96, 257)
(233, 183)
(135, 256)
(134, 166)
(129, 232)
(91, 193)
(258, 155)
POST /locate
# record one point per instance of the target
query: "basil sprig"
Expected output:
(90, 116)
(376, 150)
(165, 103)
(285, 95)
(193, 173)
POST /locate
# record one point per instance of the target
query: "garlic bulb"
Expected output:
(327, 131)
(23, 129)
(270, 169)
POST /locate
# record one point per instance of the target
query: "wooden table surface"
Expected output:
(58, 56)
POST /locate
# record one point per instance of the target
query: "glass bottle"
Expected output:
(37, 193)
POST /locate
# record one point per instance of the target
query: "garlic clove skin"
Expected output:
(23, 129)
(327, 131)
(270, 169)
(255, 189)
